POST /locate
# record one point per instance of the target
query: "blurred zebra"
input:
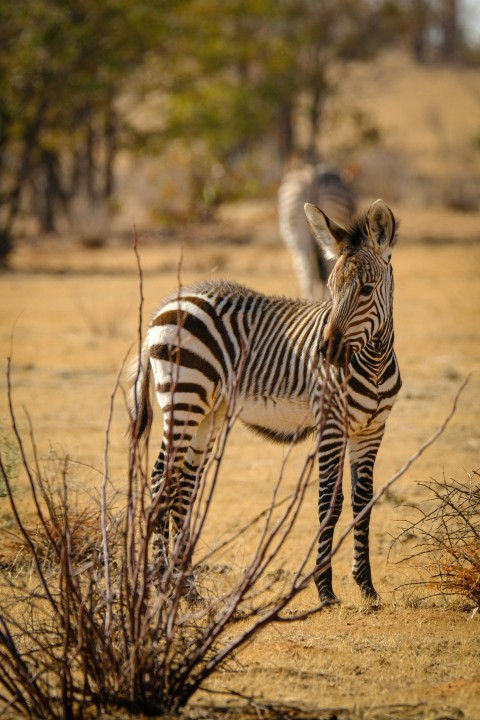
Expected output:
(322, 186)
(287, 369)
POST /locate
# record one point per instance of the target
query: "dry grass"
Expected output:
(74, 312)
(85, 539)
(410, 659)
(351, 658)
(427, 121)
(457, 572)
(86, 623)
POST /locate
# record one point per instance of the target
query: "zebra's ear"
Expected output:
(381, 228)
(330, 236)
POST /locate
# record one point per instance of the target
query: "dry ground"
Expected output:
(69, 316)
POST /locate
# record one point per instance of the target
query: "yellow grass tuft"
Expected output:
(80, 526)
(458, 572)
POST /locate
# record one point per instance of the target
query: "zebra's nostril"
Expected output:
(334, 350)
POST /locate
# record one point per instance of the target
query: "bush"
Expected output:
(447, 538)
(84, 627)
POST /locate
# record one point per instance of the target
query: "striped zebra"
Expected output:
(324, 187)
(277, 357)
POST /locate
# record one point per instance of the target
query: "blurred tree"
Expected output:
(420, 23)
(432, 29)
(452, 38)
(63, 65)
(233, 76)
(242, 71)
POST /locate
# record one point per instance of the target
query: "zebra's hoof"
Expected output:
(327, 598)
(372, 602)
(371, 597)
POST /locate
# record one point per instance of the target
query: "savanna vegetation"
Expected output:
(218, 97)
(222, 80)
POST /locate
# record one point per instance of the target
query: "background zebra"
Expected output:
(326, 188)
(290, 367)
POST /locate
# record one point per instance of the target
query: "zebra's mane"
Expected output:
(357, 233)
(221, 288)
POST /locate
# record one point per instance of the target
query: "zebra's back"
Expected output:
(219, 342)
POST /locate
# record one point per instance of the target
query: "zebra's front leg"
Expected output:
(331, 456)
(363, 452)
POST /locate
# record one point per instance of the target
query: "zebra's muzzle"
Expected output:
(335, 350)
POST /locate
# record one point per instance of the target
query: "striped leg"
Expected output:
(161, 504)
(195, 462)
(363, 452)
(175, 481)
(331, 456)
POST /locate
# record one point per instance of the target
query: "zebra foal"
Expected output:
(280, 356)
(322, 186)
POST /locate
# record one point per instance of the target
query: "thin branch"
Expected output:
(103, 507)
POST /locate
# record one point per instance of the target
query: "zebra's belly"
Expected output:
(279, 418)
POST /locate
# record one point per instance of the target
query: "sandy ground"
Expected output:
(68, 318)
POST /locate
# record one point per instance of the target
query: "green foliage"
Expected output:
(62, 68)
(249, 61)
(240, 74)
(231, 76)
(229, 71)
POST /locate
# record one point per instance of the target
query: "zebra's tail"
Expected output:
(138, 399)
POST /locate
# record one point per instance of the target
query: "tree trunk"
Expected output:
(11, 199)
(47, 191)
(110, 135)
(451, 31)
(420, 23)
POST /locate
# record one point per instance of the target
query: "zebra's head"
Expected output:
(361, 282)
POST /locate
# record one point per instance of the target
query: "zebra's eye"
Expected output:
(366, 290)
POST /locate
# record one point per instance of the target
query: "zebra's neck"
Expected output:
(377, 354)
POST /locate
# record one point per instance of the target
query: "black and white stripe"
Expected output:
(324, 187)
(219, 344)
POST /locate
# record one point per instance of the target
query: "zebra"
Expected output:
(279, 354)
(322, 186)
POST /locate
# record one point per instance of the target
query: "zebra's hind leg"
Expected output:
(181, 513)
(363, 452)
(175, 482)
(160, 516)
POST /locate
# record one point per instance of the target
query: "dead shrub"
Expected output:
(84, 625)
(84, 530)
(447, 538)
